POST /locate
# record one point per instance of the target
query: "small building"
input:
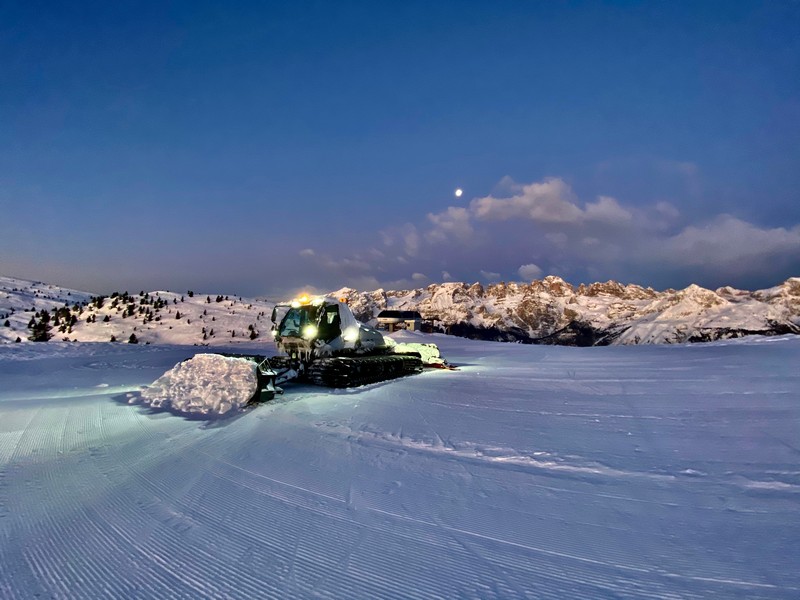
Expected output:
(392, 320)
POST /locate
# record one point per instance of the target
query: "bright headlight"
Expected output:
(350, 334)
(309, 332)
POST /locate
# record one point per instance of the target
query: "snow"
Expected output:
(178, 318)
(207, 384)
(533, 471)
(623, 314)
(429, 353)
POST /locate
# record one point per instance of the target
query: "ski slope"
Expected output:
(533, 472)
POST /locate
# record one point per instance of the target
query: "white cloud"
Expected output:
(530, 272)
(405, 235)
(411, 239)
(667, 210)
(506, 187)
(307, 252)
(452, 223)
(730, 242)
(490, 276)
(446, 276)
(607, 210)
(419, 277)
(550, 205)
(548, 202)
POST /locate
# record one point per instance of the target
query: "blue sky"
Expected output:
(263, 147)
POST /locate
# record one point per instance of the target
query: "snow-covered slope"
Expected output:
(549, 311)
(21, 299)
(152, 317)
(533, 472)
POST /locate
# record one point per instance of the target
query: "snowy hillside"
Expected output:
(533, 472)
(21, 299)
(151, 317)
(548, 311)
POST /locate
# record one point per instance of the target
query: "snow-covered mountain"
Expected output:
(555, 312)
(547, 311)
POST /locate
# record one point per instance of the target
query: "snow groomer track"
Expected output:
(533, 472)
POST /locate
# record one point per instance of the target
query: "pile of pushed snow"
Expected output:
(429, 353)
(205, 384)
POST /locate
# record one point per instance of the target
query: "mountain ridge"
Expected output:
(551, 310)
(544, 311)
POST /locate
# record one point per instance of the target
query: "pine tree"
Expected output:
(40, 332)
(132, 339)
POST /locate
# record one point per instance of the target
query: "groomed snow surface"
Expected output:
(533, 472)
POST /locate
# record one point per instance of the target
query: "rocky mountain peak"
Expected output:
(609, 288)
(557, 286)
(552, 285)
(702, 296)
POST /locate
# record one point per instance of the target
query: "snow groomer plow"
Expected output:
(323, 343)
(320, 341)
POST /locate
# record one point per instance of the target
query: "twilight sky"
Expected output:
(262, 147)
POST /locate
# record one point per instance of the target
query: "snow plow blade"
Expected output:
(266, 387)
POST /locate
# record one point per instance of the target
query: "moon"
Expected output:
(458, 192)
